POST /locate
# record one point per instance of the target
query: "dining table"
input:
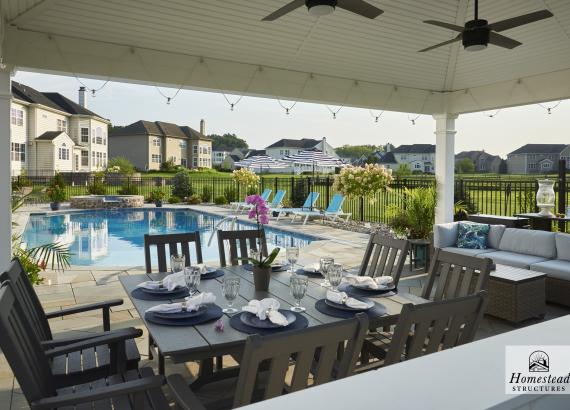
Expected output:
(205, 341)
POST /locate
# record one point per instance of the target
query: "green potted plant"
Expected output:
(56, 194)
(157, 195)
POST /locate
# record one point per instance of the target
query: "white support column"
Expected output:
(444, 166)
(5, 171)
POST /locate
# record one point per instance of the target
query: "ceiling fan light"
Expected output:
(476, 47)
(321, 10)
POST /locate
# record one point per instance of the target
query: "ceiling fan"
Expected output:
(478, 33)
(319, 8)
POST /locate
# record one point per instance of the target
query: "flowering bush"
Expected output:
(363, 181)
(246, 177)
(114, 169)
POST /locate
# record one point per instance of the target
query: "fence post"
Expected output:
(291, 192)
(361, 209)
(562, 193)
(328, 182)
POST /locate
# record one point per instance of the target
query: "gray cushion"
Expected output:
(445, 235)
(528, 242)
(495, 234)
(563, 246)
(468, 252)
(517, 260)
(555, 269)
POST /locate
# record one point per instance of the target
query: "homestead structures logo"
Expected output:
(538, 362)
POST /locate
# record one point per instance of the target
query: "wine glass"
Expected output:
(230, 289)
(292, 255)
(298, 287)
(335, 275)
(177, 263)
(192, 277)
(325, 263)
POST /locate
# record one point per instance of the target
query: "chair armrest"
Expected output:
(184, 396)
(84, 308)
(50, 344)
(106, 392)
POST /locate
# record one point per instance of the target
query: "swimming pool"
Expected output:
(115, 237)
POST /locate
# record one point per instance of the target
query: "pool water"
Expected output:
(115, 237)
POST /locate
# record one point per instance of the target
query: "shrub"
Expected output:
(57, 180)
(246, 178)
(231, 194)
(97, 187)
(168, 166)
(181, 185)
(251, 191)
(207, 194)
(221, 200)
(174, 200)
(120, 164)
(129, 189)
(56, 193)
(156, 195)
(194, 199)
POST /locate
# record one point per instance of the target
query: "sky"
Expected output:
(262, 121)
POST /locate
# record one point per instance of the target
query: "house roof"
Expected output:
(159, 128)
(50, 135)
(475, 155)
(254, 152)
(234, 157)
(540, 149)
(415, 149)
(292, 143)
(386, 158)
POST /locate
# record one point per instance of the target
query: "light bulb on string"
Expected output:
(168, 99)
(287, 111)
(232, 107)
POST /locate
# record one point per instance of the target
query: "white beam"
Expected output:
(444, 166)
(5, 171)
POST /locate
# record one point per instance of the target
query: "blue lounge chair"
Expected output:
(265, 195)
(333, 211)
(308, 205)
(276, 203)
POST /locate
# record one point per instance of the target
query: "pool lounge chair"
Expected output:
(308, 205)
(333, 212)
(265, 195)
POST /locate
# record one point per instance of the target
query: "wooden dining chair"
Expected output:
(240, 242)
(30, 363)
(430, 327)
(384, 256)
(328, 352)
(178, 244)
(452, 275)
(91, 362)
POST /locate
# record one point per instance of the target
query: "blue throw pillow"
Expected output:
(471, 235)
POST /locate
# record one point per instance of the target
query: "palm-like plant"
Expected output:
(415, 216)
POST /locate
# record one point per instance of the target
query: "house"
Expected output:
(482, 161)
(50, 133)
(386, 159)
(419, 157)
(230, 160)
(536, 158)
(219, 156)
(148, 144)
(285, 147)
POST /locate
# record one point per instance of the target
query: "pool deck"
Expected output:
(83, 284)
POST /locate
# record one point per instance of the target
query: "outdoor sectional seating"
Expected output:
(541, 251)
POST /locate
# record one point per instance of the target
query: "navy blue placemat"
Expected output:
(238, 325)
(213, 312)
(138, 293)
(249, 267)
(309, 274)
(212, 275)
(351, 290)
(377, 310)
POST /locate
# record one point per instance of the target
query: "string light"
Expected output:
(549, 109)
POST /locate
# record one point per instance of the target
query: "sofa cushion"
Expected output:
(528, 242)
(445, 235)
(518, 260)
(563, 246)
(468, 252)
(472, 235)
(495, 234)
(557, 268)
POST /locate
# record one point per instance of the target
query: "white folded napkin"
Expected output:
(203, 268)
(267, 308)
(313, 267)
(189, 305)
(366, 282)
(343, 299)
(170, 282)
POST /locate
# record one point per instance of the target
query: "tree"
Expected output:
(125, 166)
(356, 151)
(227, 142)
(465, 166)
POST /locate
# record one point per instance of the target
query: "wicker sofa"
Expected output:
(541, 251)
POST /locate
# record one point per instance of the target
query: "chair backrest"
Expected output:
(429, 327)
(28, 299)
(240, 242)
(311, 200)
(457, 275)
(328, 352)
(266, 194)
(384, 256)
(22, 348)
(277, 199)
(336, 203)
(178, 244)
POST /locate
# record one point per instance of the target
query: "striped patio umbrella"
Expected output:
(309, 160)
(263, 163)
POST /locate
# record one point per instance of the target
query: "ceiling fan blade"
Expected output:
(503, 41)
(360, 7)
(520, 20)
(295, 4)
(444, 25)
(453, 40)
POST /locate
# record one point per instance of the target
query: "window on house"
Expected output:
(84, 158)
(99, 135)
(62, 125)
(417, 165)
(404, 157)
(531, 166)
(63, 153)
(18, 152)
(546, 165)
(105, 159)
(195, 162)
(156, 142)
(85, 135)
(195, 149)
(157, 158)
(17, 116)
(173, 159)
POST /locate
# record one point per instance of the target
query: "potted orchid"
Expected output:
(261, 265)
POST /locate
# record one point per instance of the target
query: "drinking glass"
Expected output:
(335, 275)
(292, 255)
(177, 263)
(325, 263)
(298, 289)
(192, 277)
(230, 289)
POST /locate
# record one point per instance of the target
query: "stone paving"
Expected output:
(80, 285)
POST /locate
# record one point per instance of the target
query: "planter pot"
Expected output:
(261, 278)
(54, 206)
(158, 204)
